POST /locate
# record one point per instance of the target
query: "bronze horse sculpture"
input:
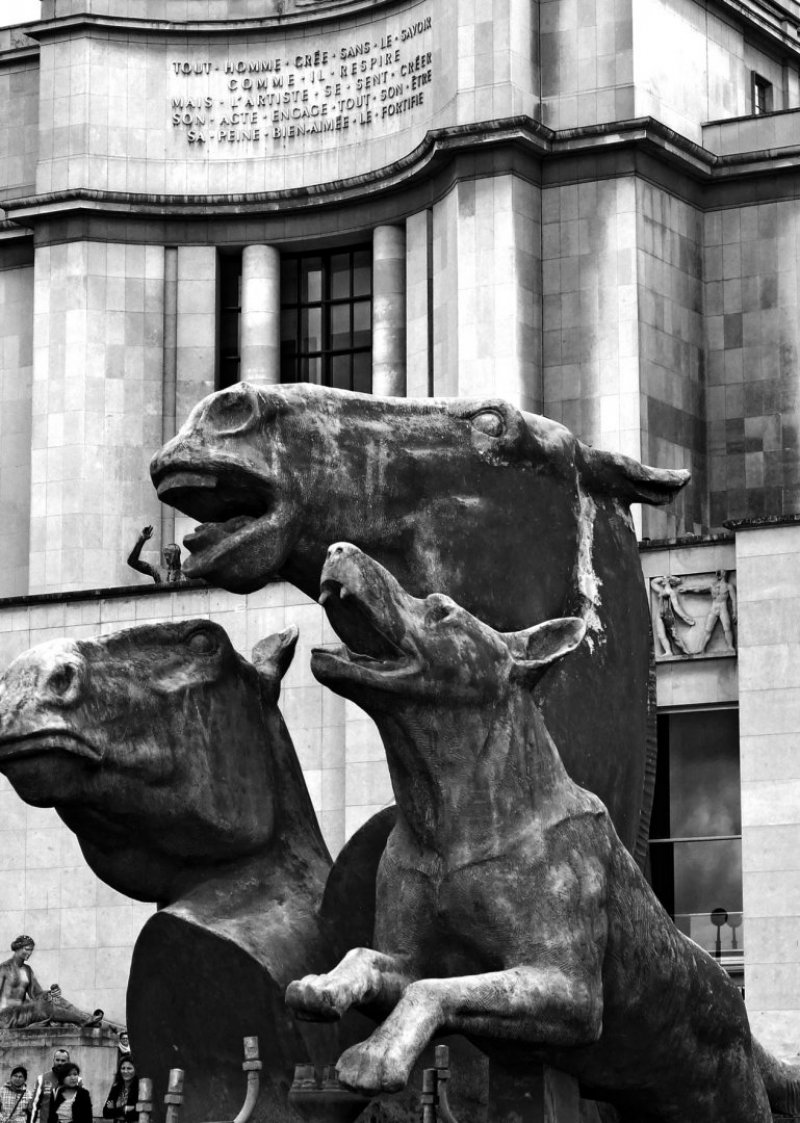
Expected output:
(505, 511)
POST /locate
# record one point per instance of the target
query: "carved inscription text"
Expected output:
(337, 87)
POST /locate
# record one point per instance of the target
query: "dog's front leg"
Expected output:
(363, 977)
(544, 1006)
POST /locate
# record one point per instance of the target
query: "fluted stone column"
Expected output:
(389, 310)
(260, 344)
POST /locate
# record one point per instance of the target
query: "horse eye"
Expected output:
(202, 643)
(490, 422)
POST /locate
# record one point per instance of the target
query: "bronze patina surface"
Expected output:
(507, 907)
(505, 511)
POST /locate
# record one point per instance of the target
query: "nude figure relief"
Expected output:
(694, 614)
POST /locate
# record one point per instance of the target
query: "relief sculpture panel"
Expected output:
(694, 614)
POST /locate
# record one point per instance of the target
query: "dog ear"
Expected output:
(534, 649)
(272, 656)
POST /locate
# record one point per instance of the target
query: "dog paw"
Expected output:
(370, 1068)
(315, 1000)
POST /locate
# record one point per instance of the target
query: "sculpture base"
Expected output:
(93, 1050)
(545, 1095)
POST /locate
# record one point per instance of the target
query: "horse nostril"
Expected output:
(232, 411)
(63, 683)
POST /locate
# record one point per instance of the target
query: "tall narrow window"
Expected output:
(763, 94)
(326, 318)
(696, 830)
(230, 318)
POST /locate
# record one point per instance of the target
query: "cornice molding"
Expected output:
(438, 147)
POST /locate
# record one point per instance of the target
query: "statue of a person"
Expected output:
(668, 590)
(18, 984)
(722, 592)
(24, 1003)
(171, 574)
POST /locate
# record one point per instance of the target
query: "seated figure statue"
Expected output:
(24, 1003)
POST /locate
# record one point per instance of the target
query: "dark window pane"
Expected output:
(311, 329)
(289, 293)
(340, 276)
(311, 370)
(230, 281)
(229, 334)
(340, 327)
(362, 324)
(362, 273)
(704, 774)
(228, 372)
(318, 308)
(340, 371)
(289, 372)
(697, 797)
(311, 284)
(362, 372)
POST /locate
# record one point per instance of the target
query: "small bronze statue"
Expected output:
(171, 574)
(24, 1003)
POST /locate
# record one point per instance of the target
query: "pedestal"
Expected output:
(544, 1096)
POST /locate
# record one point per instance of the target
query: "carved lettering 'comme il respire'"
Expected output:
(339, 86)
(165, 751)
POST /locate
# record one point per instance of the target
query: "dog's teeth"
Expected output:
(343, 593)
(324, 596)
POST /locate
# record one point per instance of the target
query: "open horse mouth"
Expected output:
(242, 517)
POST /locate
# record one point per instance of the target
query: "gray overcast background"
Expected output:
(19, 11)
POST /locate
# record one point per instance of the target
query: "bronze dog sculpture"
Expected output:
(507, 907)
(505, 511)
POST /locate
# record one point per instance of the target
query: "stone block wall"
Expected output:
(19, 117)
(487, 291)
(587, 62)
(591, 351)
(769, 703)
(753, 352)
(98, 356)
(16, 374)
(713, 80)
(670, 309)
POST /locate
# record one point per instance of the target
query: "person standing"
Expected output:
(47, 1083)
(70, 1103)
(123, 1094)
(15, 1099)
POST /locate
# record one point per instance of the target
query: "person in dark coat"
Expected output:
(123, 1094)
(70, 1103)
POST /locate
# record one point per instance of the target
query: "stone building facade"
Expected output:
(588, 208)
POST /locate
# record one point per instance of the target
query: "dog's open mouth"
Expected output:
(369, 644)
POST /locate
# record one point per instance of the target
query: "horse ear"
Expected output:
(272, 656)
(534, 649)
(627, 479)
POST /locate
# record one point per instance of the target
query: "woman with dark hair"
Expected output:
(70, 1103)
(123, 1094)
(15, 1099)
